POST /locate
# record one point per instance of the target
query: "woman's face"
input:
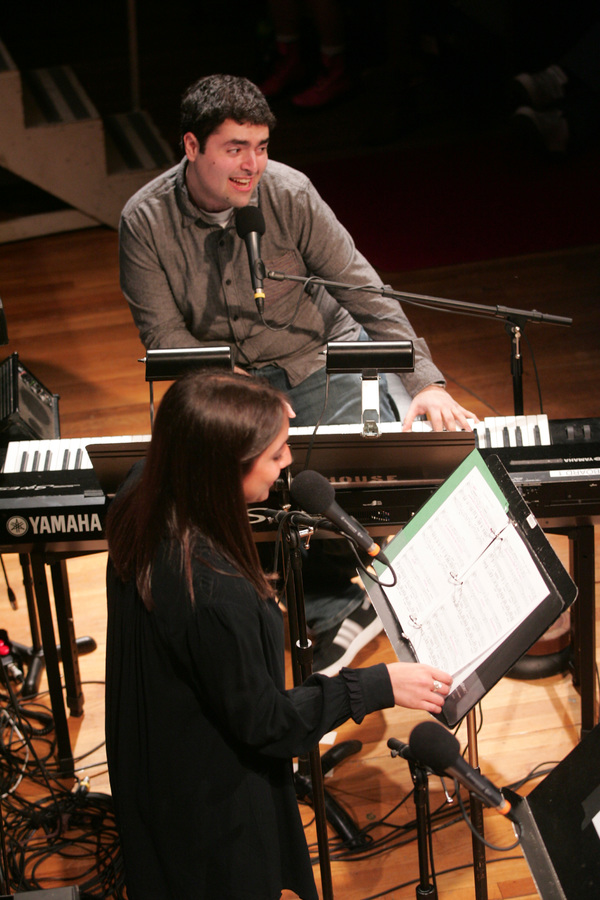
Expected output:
(264, 473)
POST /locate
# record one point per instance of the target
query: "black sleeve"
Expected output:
(235, 655)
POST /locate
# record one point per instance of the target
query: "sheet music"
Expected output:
(465, 579)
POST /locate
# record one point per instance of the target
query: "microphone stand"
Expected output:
(515, 319)
(421, 782)
(476, 810)
(308, 780)
(420, 777)
(302, 668)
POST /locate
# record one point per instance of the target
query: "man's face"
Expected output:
(231, 166)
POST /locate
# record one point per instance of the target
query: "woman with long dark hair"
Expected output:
(200, 728)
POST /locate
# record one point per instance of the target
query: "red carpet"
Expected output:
(413, 208)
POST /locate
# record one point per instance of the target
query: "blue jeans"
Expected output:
(329, 594)
(344, 401)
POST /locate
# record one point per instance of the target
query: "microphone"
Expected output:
(250, 225)
(317, 496)
(439, 749)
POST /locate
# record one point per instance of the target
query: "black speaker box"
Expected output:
(560, 825)
(28, 410)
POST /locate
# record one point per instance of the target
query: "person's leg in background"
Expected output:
(293, 64)
(289, 69)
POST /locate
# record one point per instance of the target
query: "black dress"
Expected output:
(200, 735)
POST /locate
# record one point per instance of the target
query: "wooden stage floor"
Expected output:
(69, 324)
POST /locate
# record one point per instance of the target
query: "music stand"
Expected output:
(369, 359)
(167, 364)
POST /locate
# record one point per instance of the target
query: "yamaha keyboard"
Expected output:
(52, 493)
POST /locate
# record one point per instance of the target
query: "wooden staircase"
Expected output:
(52, 136)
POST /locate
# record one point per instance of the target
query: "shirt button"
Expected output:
(228, 281)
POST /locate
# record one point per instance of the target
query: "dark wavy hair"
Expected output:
(207, 103)
(209, 429)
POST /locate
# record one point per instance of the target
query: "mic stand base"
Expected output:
(35, 662)
(341, 822)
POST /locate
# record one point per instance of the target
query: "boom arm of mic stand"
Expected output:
(515, 318)
(459, 306)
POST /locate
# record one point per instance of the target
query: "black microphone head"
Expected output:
(434, 745)
(312, 492)
(249, 219)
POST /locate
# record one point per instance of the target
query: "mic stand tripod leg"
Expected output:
(302, 667)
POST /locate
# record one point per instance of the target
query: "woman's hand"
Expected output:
(417, 686)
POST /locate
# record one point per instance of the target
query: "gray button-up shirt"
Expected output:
(187, 281)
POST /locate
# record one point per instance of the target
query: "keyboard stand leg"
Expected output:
(34, 655)
(61, 728)
(583, 620)
(66, 630)
(581, 540)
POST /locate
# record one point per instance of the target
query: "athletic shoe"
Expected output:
(541, 90)
(338, 646)
(289, 71)
(334, 82)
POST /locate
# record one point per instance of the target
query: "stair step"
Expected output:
(38, 224)
(6, 61)
(133, 142)
(55, 95)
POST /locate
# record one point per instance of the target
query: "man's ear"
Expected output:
(191, 145)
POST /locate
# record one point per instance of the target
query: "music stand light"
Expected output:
(369, 359)
(168, 364)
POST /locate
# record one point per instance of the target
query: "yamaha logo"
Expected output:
(61, 524)
(17, 526)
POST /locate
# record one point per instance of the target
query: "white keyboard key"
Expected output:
(57, 454)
